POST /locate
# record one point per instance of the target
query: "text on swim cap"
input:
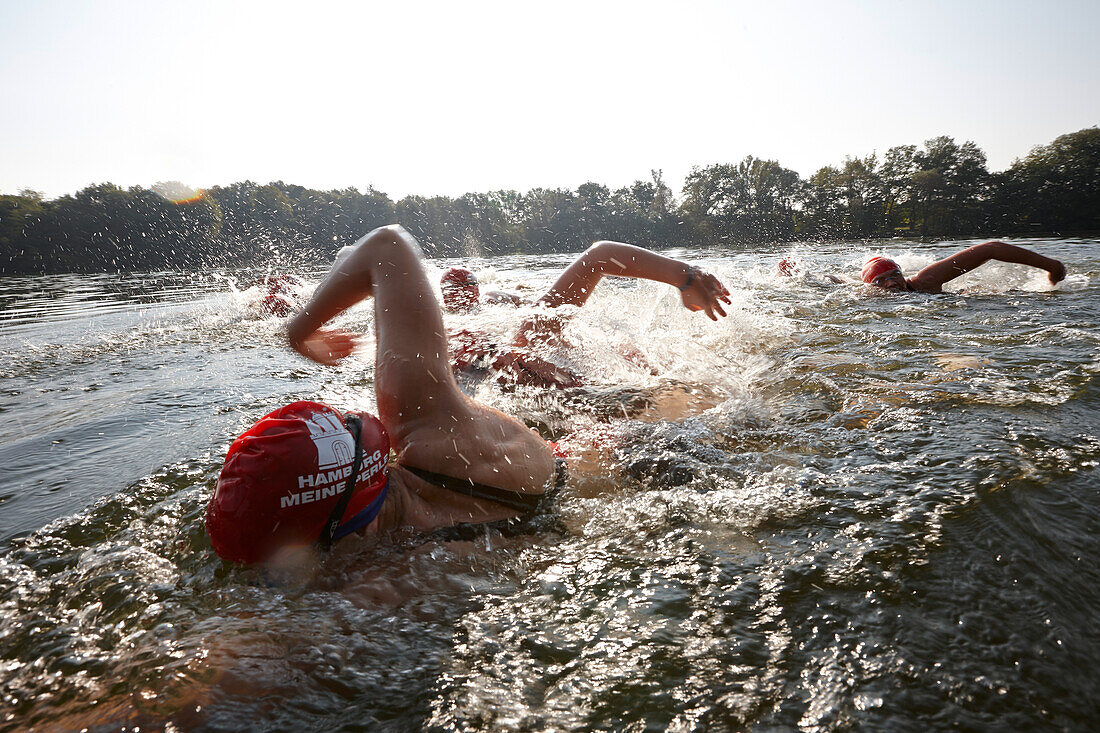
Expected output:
(323, 485)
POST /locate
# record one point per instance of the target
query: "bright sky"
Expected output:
(449, 97)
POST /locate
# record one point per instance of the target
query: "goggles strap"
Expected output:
(355, 427)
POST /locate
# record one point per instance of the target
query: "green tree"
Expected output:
(899, 195)
(17, 213)
(1056, 187)
(952, 185)
(753, 201)
(824, 207)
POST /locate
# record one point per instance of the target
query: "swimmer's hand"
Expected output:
(1056, 272)
(704, 292)
(326, 346)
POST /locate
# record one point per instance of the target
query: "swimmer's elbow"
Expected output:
(601, 254)
(982, 253)
(393, 230)
(387, 233)
(296, 331)
(349, 260)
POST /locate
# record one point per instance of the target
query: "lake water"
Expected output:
(836, 509)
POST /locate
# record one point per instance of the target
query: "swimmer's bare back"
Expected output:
(432, 424)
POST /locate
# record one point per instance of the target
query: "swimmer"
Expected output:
(278, 283)
(462, 294)
(307, 474)
(699, 291)
(276, 305)
(885, 273)
(788, 266)
(280, 299)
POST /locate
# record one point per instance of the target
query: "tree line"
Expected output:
(941, 189)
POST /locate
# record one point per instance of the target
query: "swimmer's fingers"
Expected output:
(723, 291)
(719, 293)
(709, 309)
(1058, 273)
(706, 294)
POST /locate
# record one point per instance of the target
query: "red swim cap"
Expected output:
(283, 477)
(877, 267)
(460, 290)
(276, 305)
(458, 277)
(283, 283)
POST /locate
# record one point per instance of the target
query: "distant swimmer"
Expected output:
(699, 291)
(308, 474)
(885, 273)
(462, 293)
(276, 305)
(280, 300)
(791, 266)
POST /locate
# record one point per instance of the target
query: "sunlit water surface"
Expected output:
(835, 509)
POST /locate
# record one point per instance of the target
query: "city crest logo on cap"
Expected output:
(331, 439)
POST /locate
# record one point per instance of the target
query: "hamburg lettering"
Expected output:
(324, 484)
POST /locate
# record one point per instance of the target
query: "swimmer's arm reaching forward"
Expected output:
(932, 278)
(699, 291)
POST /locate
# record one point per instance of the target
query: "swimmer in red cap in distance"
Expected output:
(699, 291)
(280, 299)
(791, 266)
(885, 273)
(461, 292)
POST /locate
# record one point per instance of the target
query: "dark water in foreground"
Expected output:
(836, 509)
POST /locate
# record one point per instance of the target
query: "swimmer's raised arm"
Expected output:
(699, 290)
(432, 425)
(347, 283)
(932, 278)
